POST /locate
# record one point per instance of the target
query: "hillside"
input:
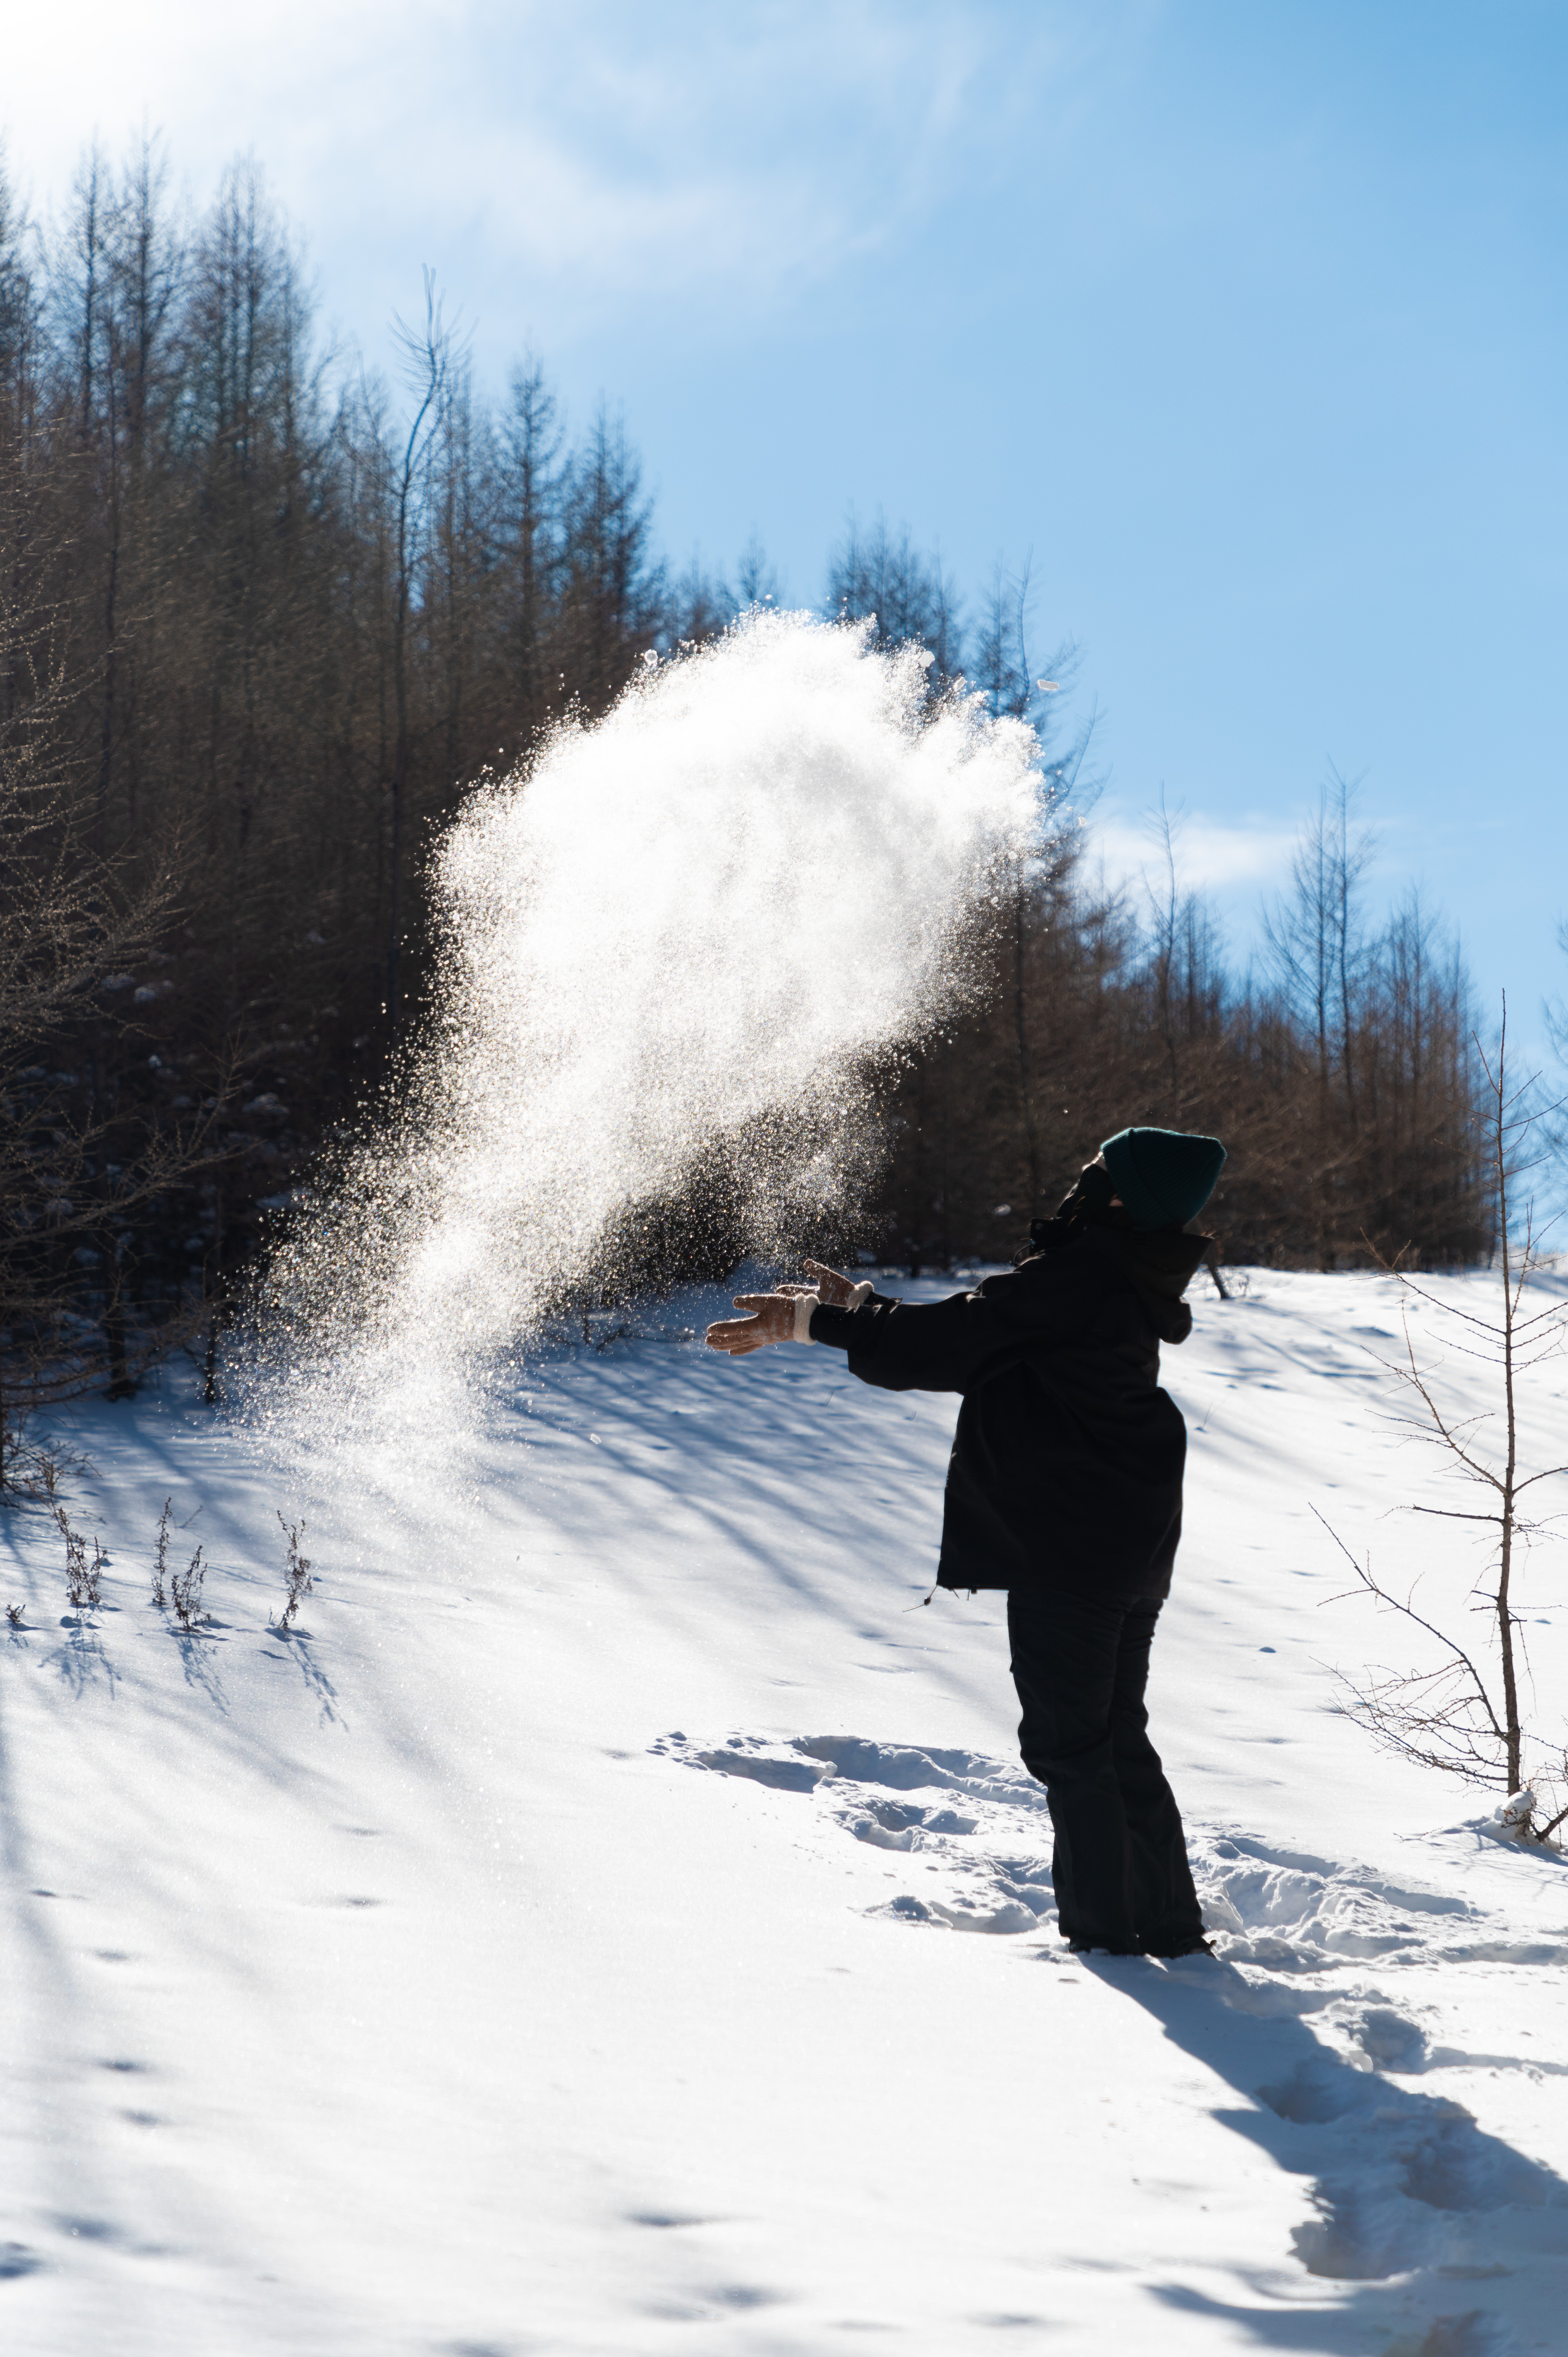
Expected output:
(566, 1939)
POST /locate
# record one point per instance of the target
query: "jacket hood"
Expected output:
(1159, 1263)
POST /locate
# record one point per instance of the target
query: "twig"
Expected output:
(1365, 1576)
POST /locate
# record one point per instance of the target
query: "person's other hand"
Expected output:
(772, 1320)
(836, 1291)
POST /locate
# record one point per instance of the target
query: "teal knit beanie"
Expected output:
(1164, 1177)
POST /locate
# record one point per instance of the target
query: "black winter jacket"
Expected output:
(1067, 1464)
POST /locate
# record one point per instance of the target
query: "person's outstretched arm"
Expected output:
(785, 1314)
(939, 1345)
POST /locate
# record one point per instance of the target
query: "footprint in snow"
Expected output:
(979, 1826)
(983, 1824)
(1402, 2182)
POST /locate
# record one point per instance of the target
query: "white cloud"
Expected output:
(579, 156)
(1209, 855)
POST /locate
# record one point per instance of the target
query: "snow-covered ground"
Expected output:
(550, 1945)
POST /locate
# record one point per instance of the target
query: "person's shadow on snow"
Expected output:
(1404, 2184)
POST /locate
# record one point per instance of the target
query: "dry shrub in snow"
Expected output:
(296, 1571)
(160, 1558)
(185, 1592)
(82, 1579)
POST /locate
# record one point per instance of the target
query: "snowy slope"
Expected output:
(565, 1941)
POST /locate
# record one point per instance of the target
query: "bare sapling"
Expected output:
(1466, 1713)
(296, 1571)
(82, 1578)
(160, 1557)
(14, 1614)
(185, 1593)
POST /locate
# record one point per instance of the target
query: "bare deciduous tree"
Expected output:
(1464, 1712)
(427, 356)
(74, 1167)
(289, 623)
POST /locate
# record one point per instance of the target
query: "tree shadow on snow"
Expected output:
(778, 1522)
(1402, 2184)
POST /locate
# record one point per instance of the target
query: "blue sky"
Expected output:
(1245, 322)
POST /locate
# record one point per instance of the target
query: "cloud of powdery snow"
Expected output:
(690, 925)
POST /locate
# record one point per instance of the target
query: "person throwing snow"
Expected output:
(1064, 1488)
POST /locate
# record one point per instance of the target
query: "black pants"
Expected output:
(1080, 1664)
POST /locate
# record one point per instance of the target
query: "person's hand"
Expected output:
(772, 1320)
(829, 1286)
